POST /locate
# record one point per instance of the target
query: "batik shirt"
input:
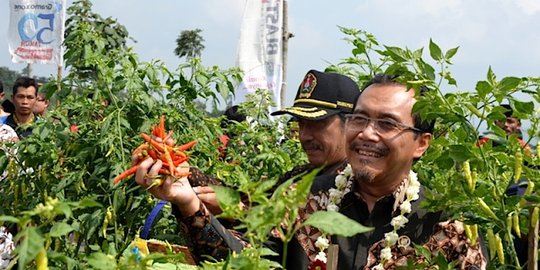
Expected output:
(362, 251)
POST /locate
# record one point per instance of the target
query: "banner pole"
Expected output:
(29, 69)
(285, 50)
(59, 78)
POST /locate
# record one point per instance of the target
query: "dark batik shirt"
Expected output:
(362, 251)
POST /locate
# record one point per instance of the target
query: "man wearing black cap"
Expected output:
(319, 107)
(321, 103)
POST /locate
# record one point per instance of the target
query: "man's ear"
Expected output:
(423, 142)
(2, 95)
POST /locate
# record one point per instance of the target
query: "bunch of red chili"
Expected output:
(170, 155)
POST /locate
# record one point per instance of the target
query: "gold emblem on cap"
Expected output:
(307, 86)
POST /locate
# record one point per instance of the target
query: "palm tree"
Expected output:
(189, 44)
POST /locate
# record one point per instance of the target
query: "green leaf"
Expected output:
(87, 202)
(449, 78)
(101, 261)
(201, 79)
(396, 53)
(335, 223)
(31, 243)
(450, 53)
(11, 219)
(68, 261)
(445, 162)
(508, 83)
(304, 185)
(63, 208)
(422, 251)
(267, 252)
(360, 48)
(228, 198)
(491, 76)
(440, 260)
(435, 51)
(483, 88)
(532, 198)
(418, 53)
(60, 229)
(459, 152)
(523, 107)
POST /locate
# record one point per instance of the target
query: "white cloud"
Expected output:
(529, 7)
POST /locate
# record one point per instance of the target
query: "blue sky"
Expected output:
(497, 33)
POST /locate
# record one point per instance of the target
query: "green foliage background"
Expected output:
(59, 192)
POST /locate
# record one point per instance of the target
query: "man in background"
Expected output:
(3, 113)
(511, 126)
(41, 105)
(24, 98)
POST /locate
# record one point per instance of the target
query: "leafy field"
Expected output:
(59, 190)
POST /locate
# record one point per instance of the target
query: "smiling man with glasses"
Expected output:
(384, 138)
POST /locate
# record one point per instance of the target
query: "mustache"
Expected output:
(312, 145)
(365, 146)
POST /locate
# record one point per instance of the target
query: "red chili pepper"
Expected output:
(152, 153)
(161, 128)
(178, 153)
(167, 159)
(159, 146)
(73, 128)
(186, 146)
(140, 148)
(125, 174)
(179, 161)
(168, 136)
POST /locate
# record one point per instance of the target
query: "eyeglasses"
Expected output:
(384, 127)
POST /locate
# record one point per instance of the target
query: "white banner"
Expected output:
(260, 48)
(36, 31)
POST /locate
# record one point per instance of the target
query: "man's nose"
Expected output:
(369, 133)
(306, 132)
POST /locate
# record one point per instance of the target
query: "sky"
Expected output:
(497, 33)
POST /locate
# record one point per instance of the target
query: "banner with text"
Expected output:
(36, 31)
(260, 48)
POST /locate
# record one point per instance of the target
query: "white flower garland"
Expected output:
(398, 222)
(343, 184)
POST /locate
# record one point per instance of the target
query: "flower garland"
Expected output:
(343, 184)
(398, 222)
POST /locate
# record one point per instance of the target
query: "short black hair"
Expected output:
(389, 79)
(232, 113)
(509, 111)
(1, 87)
(25, 82)
(8, 106)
